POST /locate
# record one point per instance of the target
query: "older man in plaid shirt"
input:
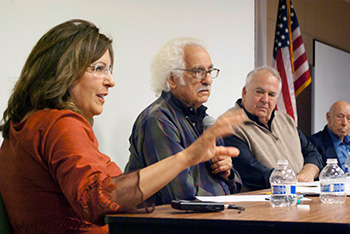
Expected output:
(182, 74)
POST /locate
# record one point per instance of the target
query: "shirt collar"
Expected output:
(347, 140)
(336, 140)
(256, 118)
(183, 107)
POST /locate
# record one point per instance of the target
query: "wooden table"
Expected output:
(258, 217)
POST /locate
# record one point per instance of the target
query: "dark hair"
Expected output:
(59, 58)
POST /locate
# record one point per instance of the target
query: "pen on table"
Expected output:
(239, 208)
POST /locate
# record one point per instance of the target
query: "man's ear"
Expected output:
(244, 92)
(172, 82)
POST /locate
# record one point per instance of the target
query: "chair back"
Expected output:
(4, 223)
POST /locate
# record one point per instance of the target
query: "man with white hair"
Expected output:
(182, 74)
(269, 135)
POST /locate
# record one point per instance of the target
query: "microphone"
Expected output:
(208, 121)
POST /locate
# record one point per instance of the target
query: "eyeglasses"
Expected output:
(101, 69)
(201, 73)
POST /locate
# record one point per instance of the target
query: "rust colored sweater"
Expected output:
(53, 179)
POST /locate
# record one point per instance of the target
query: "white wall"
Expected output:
(139, 29)
(331, 81)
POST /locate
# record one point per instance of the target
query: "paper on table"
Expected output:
(313, 188)
(238, 198)
(309, 188)
(309, 184)
(234, 198)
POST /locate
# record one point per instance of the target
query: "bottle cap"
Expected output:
(332, 160)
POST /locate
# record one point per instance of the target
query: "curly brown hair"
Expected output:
(60, 57)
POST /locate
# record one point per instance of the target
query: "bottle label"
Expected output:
(332, 188)
(283, 189)
(347, 170)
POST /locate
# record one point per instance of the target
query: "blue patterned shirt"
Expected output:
(164, 128)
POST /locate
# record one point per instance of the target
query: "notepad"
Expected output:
(313, 188)
(234, 198)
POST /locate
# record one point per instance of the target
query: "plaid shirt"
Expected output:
(165, 128)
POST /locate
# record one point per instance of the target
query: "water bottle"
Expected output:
(332, 182)
(283, 185)
(347, 166)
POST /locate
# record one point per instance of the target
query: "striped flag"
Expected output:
(290, 58)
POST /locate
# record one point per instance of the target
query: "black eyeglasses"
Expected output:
(201, 73)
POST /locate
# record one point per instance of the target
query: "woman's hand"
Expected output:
(204, 148)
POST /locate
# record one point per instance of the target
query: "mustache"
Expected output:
(205, 87)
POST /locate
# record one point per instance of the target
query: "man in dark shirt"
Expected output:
(269, 135)
(333, 141)
(182, 74)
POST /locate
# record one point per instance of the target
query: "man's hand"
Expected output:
(221, 164)
(309, 173)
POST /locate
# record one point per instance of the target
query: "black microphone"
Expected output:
(208, 121)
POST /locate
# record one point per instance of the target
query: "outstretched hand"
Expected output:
(204, 148)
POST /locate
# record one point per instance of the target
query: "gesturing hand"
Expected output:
(204, 148)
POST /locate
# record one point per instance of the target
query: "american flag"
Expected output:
(290, 58)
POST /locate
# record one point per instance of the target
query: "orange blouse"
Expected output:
(53, 179)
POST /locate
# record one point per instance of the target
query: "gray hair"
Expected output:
(170, 56)
(265, 68)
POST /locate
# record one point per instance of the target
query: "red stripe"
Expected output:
(285, 88)
(301, 80)
(297, 42)
(300, 61)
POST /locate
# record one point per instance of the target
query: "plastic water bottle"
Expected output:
(347, 166)
(332, 181)
(283, 185)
